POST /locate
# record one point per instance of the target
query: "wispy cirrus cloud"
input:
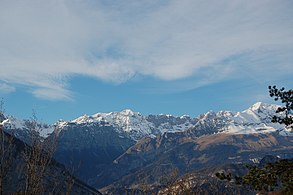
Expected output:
(45, 43)
(5, 88)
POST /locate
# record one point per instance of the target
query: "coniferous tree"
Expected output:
(286, 97)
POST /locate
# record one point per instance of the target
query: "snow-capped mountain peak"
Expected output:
(21, 128)
(255, 119)
(264, 106)
(128, 112)
(136, 124)
(258, 105)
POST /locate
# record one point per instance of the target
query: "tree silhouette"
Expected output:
(286, 97)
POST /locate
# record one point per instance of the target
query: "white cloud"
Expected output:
(52, 94)
(5, 88)
(43, 43)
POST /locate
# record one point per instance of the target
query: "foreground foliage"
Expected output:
(286, 97)
(274, 176)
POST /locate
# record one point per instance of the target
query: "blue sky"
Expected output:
(67, 58)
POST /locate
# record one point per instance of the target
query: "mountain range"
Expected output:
(118, 150)
(255, 119)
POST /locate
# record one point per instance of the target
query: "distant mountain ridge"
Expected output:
(255, 119)
(137, 125)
